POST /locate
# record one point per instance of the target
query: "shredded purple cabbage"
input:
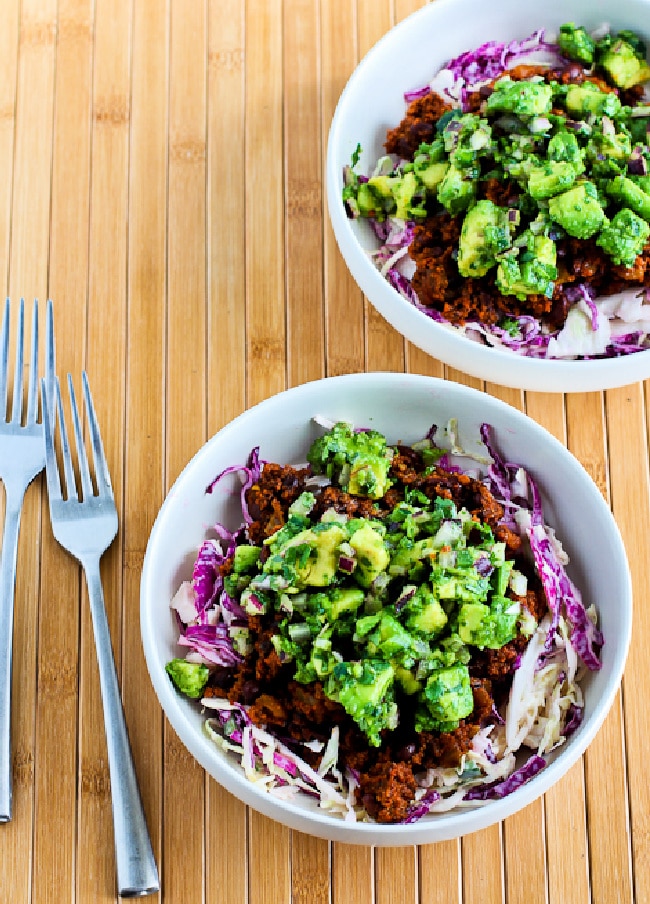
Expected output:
(561, 591)
(574, 720)
(491, 59)
(501, 476)
(212, 642)
(252, 470)
(206, 579)
(410, 96)
(512, 783)
(421, 808)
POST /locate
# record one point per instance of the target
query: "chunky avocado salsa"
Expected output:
(514, 200)
(359, 635)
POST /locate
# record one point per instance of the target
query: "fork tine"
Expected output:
(49, 341)
(32, 390)
(70, 482)
(17, 406)
(102, 473)
(84, 470)
(4, 360)
(51, 468)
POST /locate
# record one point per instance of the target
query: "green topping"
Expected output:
(576, 44)
(630, 193)
(456, 191)
(587, 98)
(551, 178)
(530, 269)
(365, 691)
(358, 461)
(569, 151)
(624, 237)
(623, 61)
(526, 99)
(578, 210)
(486, 232)
(245, 558)
(189, 677)
(447, 698)
(387, 605)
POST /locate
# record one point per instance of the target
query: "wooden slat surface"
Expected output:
(161, 179)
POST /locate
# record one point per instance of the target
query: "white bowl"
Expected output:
(406, 58)
(404, 407)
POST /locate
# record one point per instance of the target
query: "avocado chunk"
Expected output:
(576, 44)
(310, 558)
(466, 138)
(303, 504)
(563, 147)
(365, 691)
(588, 98)
(484, 234)
(578, 210)
(429, 164)
(643, 182)
(342, 600)
(245, 558)
(471, 619)
(371, 553)
(532, 272)
(358, 461)
(624, 65)
(448, 696)
(550, 179)
(368, 203)
(432, 175)
(482, 627)
(188, 677)
(425, 614)
(323, 561)
(399, 191)
(526, 99)
(616, 146)
(630, 194)
(624, 237)
(394, 641)
(407, 680)
(456, 192)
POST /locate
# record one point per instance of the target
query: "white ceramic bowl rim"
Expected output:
(226, 447)
(465, 24)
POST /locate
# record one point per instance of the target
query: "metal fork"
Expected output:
(86, 526)
(22, 457)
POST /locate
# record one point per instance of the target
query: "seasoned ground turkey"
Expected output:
(465, 491)
(353, 506)
(419, 125)
(387, 789)
(269, 499)
(437, 282)
(300, 712)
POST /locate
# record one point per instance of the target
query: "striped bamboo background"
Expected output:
(161, 179)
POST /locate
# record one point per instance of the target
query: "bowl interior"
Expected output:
(403, 407)
(407, 58)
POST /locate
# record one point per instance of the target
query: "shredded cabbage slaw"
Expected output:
(545, 703)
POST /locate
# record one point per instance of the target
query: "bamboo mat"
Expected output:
(161, 180)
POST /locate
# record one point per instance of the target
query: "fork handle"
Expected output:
(136, 868)
(13, 506)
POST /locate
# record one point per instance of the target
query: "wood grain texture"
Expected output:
(104, 325)
(162, 179)
(32, 84)
(57, 720)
